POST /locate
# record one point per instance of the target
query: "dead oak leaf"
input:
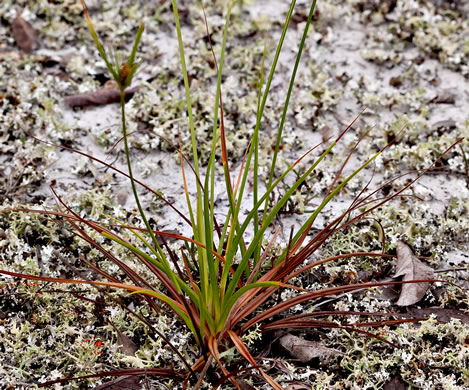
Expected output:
(126, 345)
(411, 268)
(305, 350)
(98, 98)
(24, 34)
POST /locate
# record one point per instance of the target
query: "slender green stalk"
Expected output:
(220, 64)
(255, 197)
(187, 89)
(135, 193)
(235, 212)
(199, 227)
(287, 99)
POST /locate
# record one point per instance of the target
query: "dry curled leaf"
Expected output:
(305, 350)
(98, 98)
(24, 33)
(411, 268)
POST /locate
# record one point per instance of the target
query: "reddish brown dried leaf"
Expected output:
(24, 33)
(305, 350)
(411, 268)
(98, 98)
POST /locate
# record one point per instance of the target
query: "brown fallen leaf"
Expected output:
(395, 82)
(447, 124)
(411, 268)
(326, 133)
(98, 98)
(24, 33)
(126, 345)
(305, 350)
(445, 96)
(297, 386)
(395, 383)
(244, 385)
(124, 383)
(443, 315)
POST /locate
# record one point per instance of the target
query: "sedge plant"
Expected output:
(219, 291)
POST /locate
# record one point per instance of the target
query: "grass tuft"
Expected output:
(220, 290)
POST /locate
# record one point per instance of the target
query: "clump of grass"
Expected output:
(219, 289)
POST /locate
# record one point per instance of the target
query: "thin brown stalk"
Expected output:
(283, 306)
